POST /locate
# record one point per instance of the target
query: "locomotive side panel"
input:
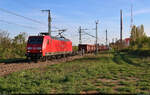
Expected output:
(56, 46)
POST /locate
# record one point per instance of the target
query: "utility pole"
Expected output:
(112, 40)
(96, 22)
(80, 40)
(80, 34)
(131, 16)
(113, 43)
(106, 38)
(49, 20)
(121, 26)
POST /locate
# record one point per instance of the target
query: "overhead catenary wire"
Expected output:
(8, 22)
(88, 34)
(27, 5)
(27, 18)
(24, 17)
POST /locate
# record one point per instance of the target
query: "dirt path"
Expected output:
(6, 69)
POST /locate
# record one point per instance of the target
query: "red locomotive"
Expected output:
(45, 46)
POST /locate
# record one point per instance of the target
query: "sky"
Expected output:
(70, 14)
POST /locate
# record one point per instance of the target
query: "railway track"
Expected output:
(8, 68)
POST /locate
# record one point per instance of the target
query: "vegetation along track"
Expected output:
(7, 68)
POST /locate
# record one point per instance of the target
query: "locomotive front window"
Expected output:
(35, 40)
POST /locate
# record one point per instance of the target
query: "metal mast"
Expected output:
(131, 16)
(121, 26)
(49, 20)
(96, 35)
(106, 38)
(80, 40)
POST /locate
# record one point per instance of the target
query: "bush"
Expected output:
(12, 48)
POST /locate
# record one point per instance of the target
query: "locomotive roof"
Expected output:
(60, 38)
(55, 38)
(86, 44)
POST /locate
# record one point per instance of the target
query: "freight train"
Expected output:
(47, 47)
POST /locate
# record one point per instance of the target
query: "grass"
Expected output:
(109, 72)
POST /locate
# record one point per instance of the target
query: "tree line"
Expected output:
(12, 47)
(139, 40)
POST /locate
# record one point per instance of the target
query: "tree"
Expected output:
(133, 33)
(12, 48)
(137, 32)
(19, 44)
(5, 44)
(139, 40)
(5, 41)
(20, 39)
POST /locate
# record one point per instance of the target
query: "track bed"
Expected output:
(7, 68)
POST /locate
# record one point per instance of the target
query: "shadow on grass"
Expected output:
(121, 58)
(141, 53)
(106, 52)
(96, 59)
(127, 60)
(15, 60)
(88, 59)
(117, 59)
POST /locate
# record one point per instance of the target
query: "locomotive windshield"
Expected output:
(35, 40)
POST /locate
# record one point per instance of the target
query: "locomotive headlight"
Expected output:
(39, 48)
(29, 48)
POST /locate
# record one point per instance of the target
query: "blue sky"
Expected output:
(70, 14)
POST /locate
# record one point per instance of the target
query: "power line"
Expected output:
(8, 22)
(12, 13)
(89, 34)
(27, 18)
(55, 27)
(29, 6)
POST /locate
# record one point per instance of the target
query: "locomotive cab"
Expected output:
(34, 47)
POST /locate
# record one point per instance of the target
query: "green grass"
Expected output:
(106, 73)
